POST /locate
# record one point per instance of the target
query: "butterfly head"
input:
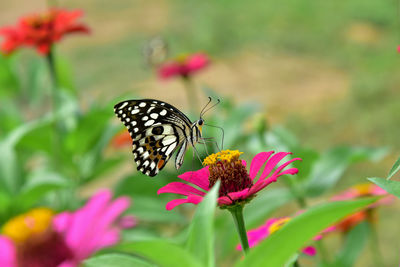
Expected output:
(200, 124)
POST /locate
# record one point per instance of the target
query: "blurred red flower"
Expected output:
(183, 66)
(41, 30)
(121, 139)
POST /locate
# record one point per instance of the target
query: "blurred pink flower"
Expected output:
(38, 239)
(272, 225)
(183, 66)
(367, 214)
(237, 185)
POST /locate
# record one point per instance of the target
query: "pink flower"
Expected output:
(39, 239)
(183, 66)
(367, 214)
(272, 225)
(237, 185)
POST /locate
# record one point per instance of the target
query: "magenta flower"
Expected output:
(183, 66)
(39, 239)
(272, 225)
(237, 185)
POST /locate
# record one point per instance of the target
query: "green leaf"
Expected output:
(332, 164)
(278, 248)
(201, 232)
(161, 252)
(353, 246)
(38, 185)
(390, 186)
(112, 260)
(395, 168)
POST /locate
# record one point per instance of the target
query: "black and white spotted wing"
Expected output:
(157, 129)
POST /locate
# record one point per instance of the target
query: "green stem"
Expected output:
(376, 252)
(237, 214)
(296, 264)
(191, 94)
(53, 76)
(54, 95)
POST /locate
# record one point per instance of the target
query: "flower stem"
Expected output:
(54, 80)
(237, 214)
(296, 264)
(54, 104)
(376, 252)
(191, 94)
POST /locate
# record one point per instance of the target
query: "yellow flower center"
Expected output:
(181, 58)
(275, 226)
(363, 189)
(227, 156)
(22, 227)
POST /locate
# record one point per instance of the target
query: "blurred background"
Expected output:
(327, 71)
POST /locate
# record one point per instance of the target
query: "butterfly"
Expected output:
(158, 129)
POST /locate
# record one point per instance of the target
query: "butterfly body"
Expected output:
(157, 129)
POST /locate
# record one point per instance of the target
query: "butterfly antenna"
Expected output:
(202, 111)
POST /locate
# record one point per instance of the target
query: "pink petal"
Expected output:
(310, 251)
(180, 188)
(239, 195)
(199, 178)
(101, 225)
(8, 255)
(284, 165)
(61, 221)
(224, 201)
(271, 164)
(190, 199)
(83, 220)
(197, 62)
(257, 162)
(68, 264)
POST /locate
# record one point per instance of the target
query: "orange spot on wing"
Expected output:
(160, 163)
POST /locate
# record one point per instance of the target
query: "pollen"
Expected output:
(23, 226)
(226, 156)
(278, 225)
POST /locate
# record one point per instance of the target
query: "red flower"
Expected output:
(41, 30)
(183, 66)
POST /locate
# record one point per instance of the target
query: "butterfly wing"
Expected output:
(157, 130)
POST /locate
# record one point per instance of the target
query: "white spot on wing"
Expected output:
(152, 165)
(146, 155)
(145, 118)
(133, 123)
(149, 123)
(146, 163)
(154, 115)
(163, 112)
(143, 104)
(135, 111)
(123, 105)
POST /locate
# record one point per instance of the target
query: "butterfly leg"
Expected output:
(205, 140)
